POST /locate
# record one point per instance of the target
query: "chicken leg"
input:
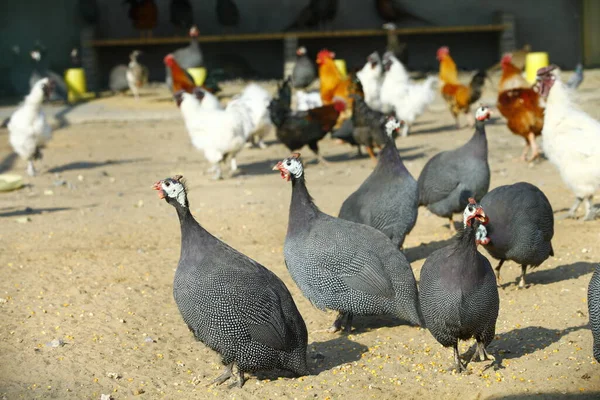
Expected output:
(30, 168)
(574, 207)
(535, 153)
(525, 151)
(371, 153)
(590, 212)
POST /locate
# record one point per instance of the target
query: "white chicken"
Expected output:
(257, 99)
(218, 133)
(370, 77)
(307, 100)
(406, 98)
(571, 142)
(28, 129)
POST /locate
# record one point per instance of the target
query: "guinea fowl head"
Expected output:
(392, 126)
(173, 190)
(291, 167)
(483, 113)
(301, 51)
(545, 79)
(475, 217)
(194, 32)
(442, 53)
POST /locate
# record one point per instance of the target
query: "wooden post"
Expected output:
(290, 44)
(508, 37)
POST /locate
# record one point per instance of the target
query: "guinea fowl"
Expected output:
(451, 177)
(594, 310)
(521, 226)
(304, 72)
(230, 302)
(458, 293)
(137, 74)
(341, 265)
(388, 199)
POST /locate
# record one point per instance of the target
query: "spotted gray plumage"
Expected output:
(234, 305)
(458, 294)
(344, 266)
(451, 177)
(521, 226)
(387, 200)
(594, 310)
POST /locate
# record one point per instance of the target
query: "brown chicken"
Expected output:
(144, 15)
(181, 79)
(523, 112)
(459, 97)
(512, 77)
(332, 82)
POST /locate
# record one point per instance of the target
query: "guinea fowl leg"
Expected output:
(458, 363)
(30, 168)
(224, 376)
(337, 324)
(590, 212)
(348, 327)
(522, 280)
(535, 153)
(481, 352)
(498, 271)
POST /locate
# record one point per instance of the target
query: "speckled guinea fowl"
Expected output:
(521, 226)
(341, 265)
(451, 177)
(231, 303)
(388, 199)
(458, 293)
(594, 310)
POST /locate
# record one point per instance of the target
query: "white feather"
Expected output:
(406, 98)
(216, 132)
(210, 102)
(257, 100)
(28, 128)
(572, 142)
(370, 78)
(307, 100)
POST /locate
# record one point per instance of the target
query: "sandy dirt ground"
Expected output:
(88, 253)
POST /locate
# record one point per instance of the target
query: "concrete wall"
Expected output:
(549, 25)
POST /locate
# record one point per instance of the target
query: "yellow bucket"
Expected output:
(75, 80)
(199, 75)
(533, 62)
(341, 66)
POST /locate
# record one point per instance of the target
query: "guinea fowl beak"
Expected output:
(480, 215)
(285, 174)
(158, 186)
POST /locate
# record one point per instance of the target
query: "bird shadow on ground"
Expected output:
(93, 164)
(7, 163)
(549, 396)
(367, 323)
(61, 116)
(523, 341)
(436, 129)
(323, 356)
(32, 211)
(425, 249)
(561, 273)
